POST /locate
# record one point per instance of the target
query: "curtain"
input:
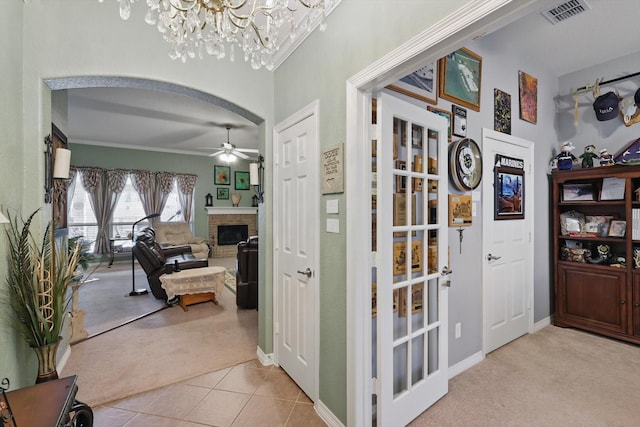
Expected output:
(93, 183)
(163, 186)
(71, 186)
(142, 182)
(186, 184)
(116, 180)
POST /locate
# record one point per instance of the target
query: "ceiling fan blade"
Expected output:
(248, 150)
(216, 154)
(240, 154)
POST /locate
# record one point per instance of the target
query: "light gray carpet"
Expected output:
(556, 377)
(104, 300)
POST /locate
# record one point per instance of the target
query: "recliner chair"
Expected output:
(247, 274)
(156, 261)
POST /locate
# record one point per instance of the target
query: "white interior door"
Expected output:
(507, 280)
(296, 236)
(410, 289)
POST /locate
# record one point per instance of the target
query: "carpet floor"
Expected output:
(163, 348)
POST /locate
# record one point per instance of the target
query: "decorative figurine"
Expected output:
(588, 156)
(606, 159)
(565, 158)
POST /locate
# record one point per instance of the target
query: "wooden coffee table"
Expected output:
(194, 285)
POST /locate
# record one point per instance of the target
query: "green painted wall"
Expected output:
(111, 158)
(358, 33)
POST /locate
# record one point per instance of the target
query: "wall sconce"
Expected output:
(256, 178)
(59, 170)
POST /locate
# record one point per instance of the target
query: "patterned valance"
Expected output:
(186, 183)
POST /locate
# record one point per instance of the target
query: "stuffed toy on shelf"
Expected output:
(588, 156)
(566, 160)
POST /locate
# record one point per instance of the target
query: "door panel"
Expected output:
(508, 276)
(296, 211)
(410, 329)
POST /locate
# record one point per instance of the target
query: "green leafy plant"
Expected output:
(38, 281)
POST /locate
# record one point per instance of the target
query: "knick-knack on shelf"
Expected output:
(565, 158)
(588, 156)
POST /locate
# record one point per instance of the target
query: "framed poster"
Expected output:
(444, 113)
(222, 175)
(528, 89)
(460, 78)
(242, 180)
(422, 84)
(460, 211)
(459, 121)
(508, 193)
(333, 170)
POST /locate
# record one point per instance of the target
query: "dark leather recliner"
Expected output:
(155, 260)
(247, 274)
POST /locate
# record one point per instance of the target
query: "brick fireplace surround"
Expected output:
(229, 216)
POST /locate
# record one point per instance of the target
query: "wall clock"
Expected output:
(465, 162)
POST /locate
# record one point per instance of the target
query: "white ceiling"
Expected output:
(163, 121)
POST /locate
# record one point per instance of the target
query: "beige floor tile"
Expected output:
(303, 415)
(139, 401)
(177, 401)
(145, 420)
(303, 398)
(218, 408)
(280, 386)
(255, 363)
(104, 416)
(209, 380)
(264, 412)
(242, 380)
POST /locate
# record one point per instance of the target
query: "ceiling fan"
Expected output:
(229, 152)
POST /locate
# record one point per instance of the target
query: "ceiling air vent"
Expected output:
(566, 10)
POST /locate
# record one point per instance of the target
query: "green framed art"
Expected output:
(242, 180)
(222, 193)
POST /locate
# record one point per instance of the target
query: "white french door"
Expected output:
(409, 239)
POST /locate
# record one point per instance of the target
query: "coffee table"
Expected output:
(194, 285)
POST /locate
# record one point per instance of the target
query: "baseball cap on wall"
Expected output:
(606, 106)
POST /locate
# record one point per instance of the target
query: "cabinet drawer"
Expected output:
(594, 298)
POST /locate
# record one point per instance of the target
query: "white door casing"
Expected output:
(411, 348)
(296, 159)
(507, 278)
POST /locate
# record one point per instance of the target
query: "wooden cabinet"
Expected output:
(597, 282)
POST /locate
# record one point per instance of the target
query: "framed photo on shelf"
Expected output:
(401, 180)
(444, 113)
(400, 257)
(222, 175)
(242, 180)
(577, 192)
(460, 78)
(617, 228)
(222, 193)
(597, 224)
(422, 84)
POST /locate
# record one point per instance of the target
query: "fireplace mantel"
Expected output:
(232, 211)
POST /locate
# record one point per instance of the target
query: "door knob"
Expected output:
(446, 271)
(307, 272)
(493, 258)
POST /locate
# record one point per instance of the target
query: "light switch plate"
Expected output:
(333, 225)
(332, 206)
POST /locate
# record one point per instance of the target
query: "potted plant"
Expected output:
(38, 277)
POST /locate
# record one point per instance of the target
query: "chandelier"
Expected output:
(219, 27)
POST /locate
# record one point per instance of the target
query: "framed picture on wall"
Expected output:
(222, 175)
(444, 113)
(460, 78)
(242, 180)
(422, 84)
(222, 193)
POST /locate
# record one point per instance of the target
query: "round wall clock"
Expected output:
(465, 161)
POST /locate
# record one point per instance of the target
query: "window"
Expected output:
(172, 211)
(127, 211)
(81, 219)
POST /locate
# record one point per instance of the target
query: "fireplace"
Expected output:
(232, 234)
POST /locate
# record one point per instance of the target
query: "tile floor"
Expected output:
(248, 394)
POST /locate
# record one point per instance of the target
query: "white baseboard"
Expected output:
(326, 415)
(265, 359)
(465, 364)
(540, 324)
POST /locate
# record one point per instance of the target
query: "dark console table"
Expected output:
(49, 404)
